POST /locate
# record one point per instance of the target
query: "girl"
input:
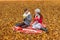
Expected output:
(26, 19)
(38, 21)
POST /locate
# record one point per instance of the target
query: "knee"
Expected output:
(17, 24)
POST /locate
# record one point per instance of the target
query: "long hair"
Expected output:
(40, 14)
(41, 17)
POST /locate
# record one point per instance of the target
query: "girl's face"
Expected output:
(35, 12)
(27, 11)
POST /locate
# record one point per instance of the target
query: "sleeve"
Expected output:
(29, 17)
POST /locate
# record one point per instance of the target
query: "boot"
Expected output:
(44, 29)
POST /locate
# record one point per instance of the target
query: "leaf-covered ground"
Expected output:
(11, 13)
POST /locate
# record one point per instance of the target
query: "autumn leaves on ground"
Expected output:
(11, 13)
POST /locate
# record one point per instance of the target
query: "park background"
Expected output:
(11, 12)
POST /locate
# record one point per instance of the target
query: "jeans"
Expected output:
(23, 25)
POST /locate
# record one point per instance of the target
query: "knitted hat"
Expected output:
(37, 10)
